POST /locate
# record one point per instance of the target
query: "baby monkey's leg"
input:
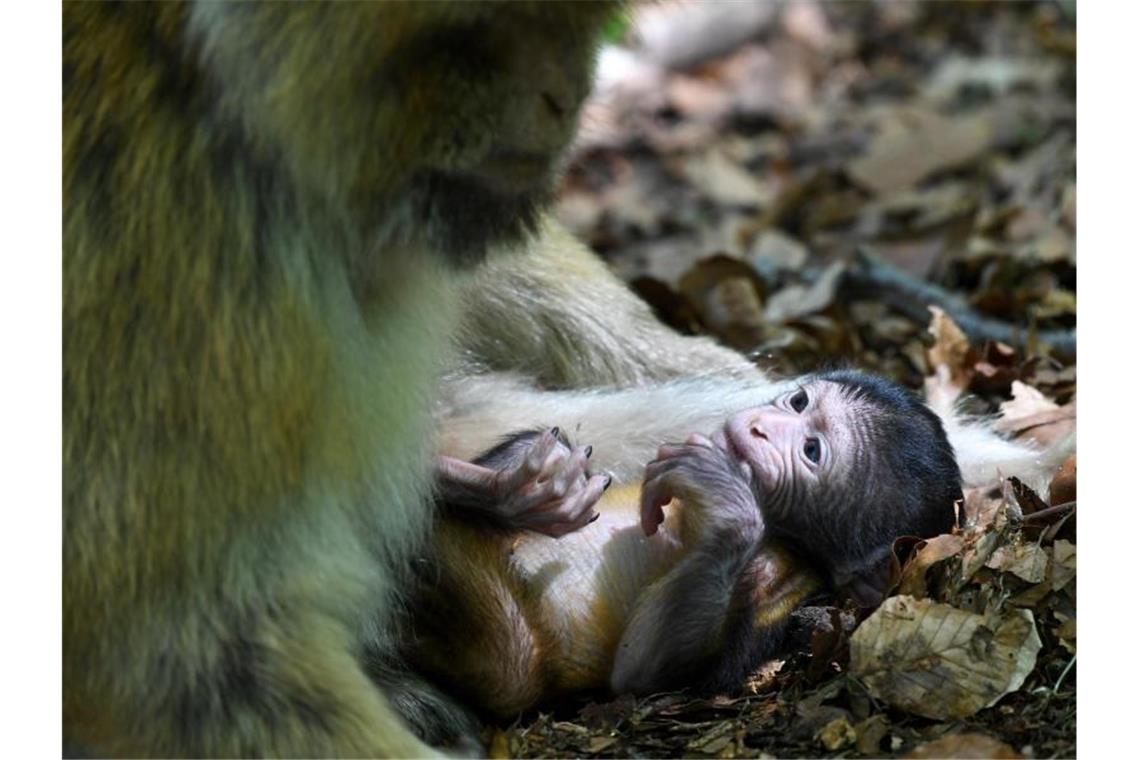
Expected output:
(533, 479)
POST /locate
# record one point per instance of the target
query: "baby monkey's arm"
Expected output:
(685, 620)
(534, 480)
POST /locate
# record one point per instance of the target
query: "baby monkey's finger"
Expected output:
(696, 439)
(514, 479)
(573, 469)
(655, 494)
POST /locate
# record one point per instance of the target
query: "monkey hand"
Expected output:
(718, 497)
(534, 481)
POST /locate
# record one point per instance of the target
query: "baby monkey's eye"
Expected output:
(812, 449)
(799, 401)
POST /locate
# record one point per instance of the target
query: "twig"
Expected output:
(1048, 514)
(1064, 673)
(873, 276)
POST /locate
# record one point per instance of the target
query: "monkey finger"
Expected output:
(696, 439)
(543, 448)
(720, 440)
(652, 515)
(573, 469)
(553, 463)
(573, 509)
(513, 479)
(670, 450)
(662, 471)
(558, 530)
(655, 495)
(464, 473)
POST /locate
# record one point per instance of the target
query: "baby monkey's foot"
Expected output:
(533, 480)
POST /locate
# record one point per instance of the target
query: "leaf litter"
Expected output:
(890, 186)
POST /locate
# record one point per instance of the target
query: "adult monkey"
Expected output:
(265, 205)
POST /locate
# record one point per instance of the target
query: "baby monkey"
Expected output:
(688, 578)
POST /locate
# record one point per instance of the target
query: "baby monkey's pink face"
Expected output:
(795, 445)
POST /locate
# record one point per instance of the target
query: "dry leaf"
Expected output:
(931, 552)
(939, 661)
(1029, 415)
(724, 182)
(1063, 488)
(1027, 401)
(774, 249)
(915, 144)
(871, 733)
(714, 741)
(977, 746)
(1027, 561)
(951, 350)
(599, 743)
(798, 301)
(1064, 563)
(979, 508)
(837, 734)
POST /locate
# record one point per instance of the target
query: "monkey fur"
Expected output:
(508, 618)
(265, 209)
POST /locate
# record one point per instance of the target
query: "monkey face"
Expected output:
(798, 444)
(435, 124)
(845, 464)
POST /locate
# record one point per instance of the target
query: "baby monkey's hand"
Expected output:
(719, 502)
(533, 480)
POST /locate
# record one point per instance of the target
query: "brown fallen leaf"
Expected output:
(1026, 402)
(915, 143)
(871, 733)
(1027, 561)
(1043, 429)
(837, 734)
(599, 743)
(1030, 415)
(950, 360)
(728, 295)
(777, 250)
(977, 746)
(723, 181)
(980, 506)
(1063, 489)
(1064, 563)
(798, 301)
(930, 552)
(1014, 491)
(941, 662)
(712, 742)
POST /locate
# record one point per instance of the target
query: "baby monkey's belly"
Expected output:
(515, 618)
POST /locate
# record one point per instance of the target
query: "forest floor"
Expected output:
(803, 182)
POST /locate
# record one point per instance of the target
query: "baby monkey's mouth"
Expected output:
(726, 442)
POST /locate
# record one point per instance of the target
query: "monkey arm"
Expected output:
(625, 425)
(562, 315)
(681, 622)
(682, 633)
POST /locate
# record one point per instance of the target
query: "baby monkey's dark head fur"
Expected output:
(900, 478)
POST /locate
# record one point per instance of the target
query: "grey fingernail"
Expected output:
(554, 432)
(589, 451)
